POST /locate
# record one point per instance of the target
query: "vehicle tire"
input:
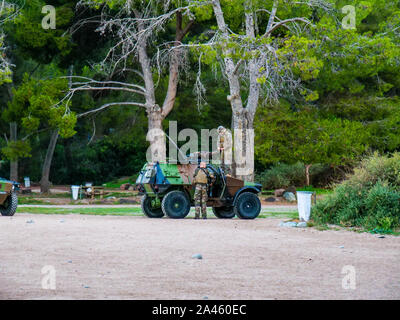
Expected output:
(9, 207)
(224, 212)
(176, 205)
(247, 206)
(148, 210)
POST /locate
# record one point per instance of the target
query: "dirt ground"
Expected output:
(110, 257)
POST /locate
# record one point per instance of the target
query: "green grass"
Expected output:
(131, 211)
(121, 194)
(46, 195)
(85, 211)
(317, 190)
(277, 214)
(117, 183)
(24, 200)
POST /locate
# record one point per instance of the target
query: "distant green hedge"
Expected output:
(284, 175)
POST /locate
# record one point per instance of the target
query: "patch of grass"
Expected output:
(117, 183)
(278, 214)
(322, 227)
(45, 195)
(84, 211)
(317, 190)
(31, 201)
(121, 194)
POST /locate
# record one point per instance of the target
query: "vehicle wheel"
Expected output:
(9, 207)
(176, 205)
(247, 206)
(148, 210)
(224, 212)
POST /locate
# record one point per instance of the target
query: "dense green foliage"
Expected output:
(369, 198)
(284, 175)
(348, 103)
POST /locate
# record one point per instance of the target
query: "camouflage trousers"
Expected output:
(200, 200)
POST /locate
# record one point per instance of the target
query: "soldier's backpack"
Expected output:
(204, 176)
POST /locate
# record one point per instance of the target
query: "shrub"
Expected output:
(370, 198)
(284, 175)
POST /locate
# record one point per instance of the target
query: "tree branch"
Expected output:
(272, 16)
(105, 106)
(284, 22)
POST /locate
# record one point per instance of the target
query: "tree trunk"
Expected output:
(68, 159)
(156, 136)
(44, 182)
(243, 146)
(242, 117)
(13, 163)
(155, 114)
(308, 166)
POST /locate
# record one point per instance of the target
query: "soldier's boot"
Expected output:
(204, 212)
(197, 213)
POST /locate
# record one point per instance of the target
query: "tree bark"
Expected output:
(243, 145)
(156, 136)
(242, 117)
(13, 163)
(308, 166)
(45, 182)
(155, 114)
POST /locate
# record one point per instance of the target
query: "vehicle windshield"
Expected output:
(146, 175)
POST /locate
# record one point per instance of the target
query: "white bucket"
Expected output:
(75, 192)
(304, 204)
(27, 182)
(89, 184)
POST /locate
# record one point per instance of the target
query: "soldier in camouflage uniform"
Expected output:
(201, 179)
(225, 149)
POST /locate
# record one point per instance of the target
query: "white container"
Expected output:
(27, 182)
(89, 184)
(304, 204)
(75, 192)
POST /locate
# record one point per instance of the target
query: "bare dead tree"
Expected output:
(260, 73)
(135, 31)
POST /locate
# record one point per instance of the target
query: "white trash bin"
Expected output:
(304, 204)
(75, 192)
(89, 184)
(27, 182)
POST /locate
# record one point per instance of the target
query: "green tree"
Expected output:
(36, 103)
(284, 135)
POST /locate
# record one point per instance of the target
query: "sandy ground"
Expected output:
(109, 257)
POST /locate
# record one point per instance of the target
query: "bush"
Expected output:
(370, 198)
(284, 175)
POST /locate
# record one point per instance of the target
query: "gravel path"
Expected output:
(114, 257)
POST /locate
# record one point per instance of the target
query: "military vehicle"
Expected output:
(8, 197)
(167, 190)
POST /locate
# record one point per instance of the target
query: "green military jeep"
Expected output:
(167, 190)
(8, 197)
